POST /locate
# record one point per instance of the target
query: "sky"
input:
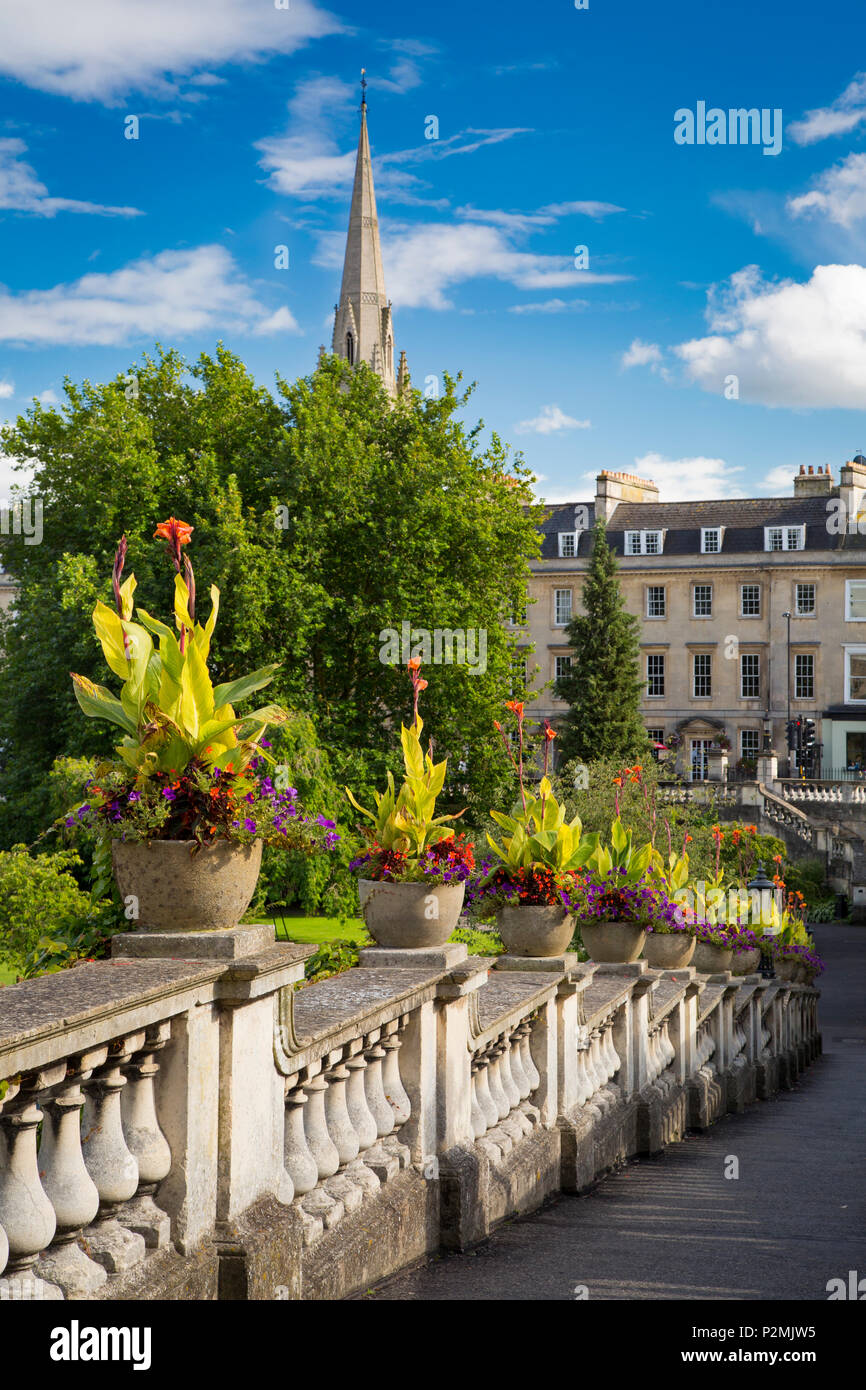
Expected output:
(626, 294)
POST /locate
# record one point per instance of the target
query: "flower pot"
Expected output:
(746, 962)
(712, 960)
(178, 891)
(535, 931)
(613, 943)
(787, 970)
(410, 915)
(671, 950)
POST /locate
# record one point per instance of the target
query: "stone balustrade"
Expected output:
(206, 1129)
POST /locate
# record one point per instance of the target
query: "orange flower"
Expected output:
(516, 707)
(174, 531)
(688, 839)
(414, 663)
(497, 726)
(617, 781)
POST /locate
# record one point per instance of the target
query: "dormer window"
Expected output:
(784, 537)
(711, 539)
(644, 542)
(568, 544)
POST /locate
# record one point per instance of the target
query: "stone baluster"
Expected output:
(67, 1183)
(509, 1086)
(521, 1080)
(4, 1250)
(146, 1140)
(489, 1110)
(112, 1166)
(529, 1067)
(362, 1117)
(584, 1080)
(615, 1062)
(319, 1141)
(339, 1124)
(300, 1164)
(375, 1090)
(477, 1117)
(394, 1090)
(26, 1214)
(670, 1051)
(494, 1081)
(596, 1074)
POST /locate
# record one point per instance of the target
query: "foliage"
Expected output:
(332, 958)
(329, 515)
(603, 688)
(479, 943)
(46, 920)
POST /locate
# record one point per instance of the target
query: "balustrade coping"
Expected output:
(709, 1001)
(507, 998)
(604, 994)
(665, 996)
(339, 1010)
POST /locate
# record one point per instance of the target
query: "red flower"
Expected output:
(177, 533)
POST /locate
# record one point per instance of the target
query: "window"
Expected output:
(568, 544)
(643, 542)
(562, 667)
(656, 735)
(518, 617)
(784, 537)
(750, 743)
(655, 601)
(855, 601)
(350, 349)
(711, 540)
(750, 676)
(750, 600)
(804, 676)
(804, 600)
(562, 606)
(703, 605)
(655, 675)
(855, 676)
(703, 675)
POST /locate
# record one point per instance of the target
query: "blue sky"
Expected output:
(556, 130)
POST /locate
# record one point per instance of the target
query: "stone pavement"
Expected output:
(674, 1227)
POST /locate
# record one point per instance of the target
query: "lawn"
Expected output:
(7, 974)
(319, 929)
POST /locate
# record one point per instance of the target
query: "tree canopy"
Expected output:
(324, 514)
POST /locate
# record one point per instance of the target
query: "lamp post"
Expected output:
(768, 730)
(761, 884)
(788, 657)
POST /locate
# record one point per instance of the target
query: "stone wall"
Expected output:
(246, 1140)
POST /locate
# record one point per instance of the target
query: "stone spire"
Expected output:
(363, 327)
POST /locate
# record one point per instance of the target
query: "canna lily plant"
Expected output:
(169, 710)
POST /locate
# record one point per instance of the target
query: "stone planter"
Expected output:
(711, 960)
(788, 970)
(410, 915)
(177, 891)
(613, 943)
(671, 950)
(535, 931)
(746, 962)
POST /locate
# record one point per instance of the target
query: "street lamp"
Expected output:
(761, 884)
(788, 725)
(768, 730)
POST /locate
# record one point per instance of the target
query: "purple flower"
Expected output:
(134, 796)
(325, 824)
(169, 794)
(249, 824)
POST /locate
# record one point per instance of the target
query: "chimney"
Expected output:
(613, 488)
(812, 483)
(852, 487)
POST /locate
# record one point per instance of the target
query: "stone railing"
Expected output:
(824, 791)
(204, 1129)
(780, 813)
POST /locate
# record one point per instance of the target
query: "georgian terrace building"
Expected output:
(713, 584)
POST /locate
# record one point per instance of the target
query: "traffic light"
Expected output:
(794, 732)
(808, 734)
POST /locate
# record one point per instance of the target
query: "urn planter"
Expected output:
(669, 950)
(746, 962)
(712, 960)
(410, 915)
(613, 943)
(178, 891)
(788, 969)
(535, 931)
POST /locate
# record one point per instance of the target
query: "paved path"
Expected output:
(673, 1227)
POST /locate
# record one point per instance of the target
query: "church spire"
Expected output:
(363, 327)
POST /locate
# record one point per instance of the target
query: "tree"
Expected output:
(324, 514)
(603, 688)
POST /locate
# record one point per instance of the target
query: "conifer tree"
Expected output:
(603, 688)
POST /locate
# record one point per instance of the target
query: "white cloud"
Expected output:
(550, 420)
(281, 321)
(778, 481)
(789, 344)
(844, 114)
(7, 389)
(21, 190)
(551, 306)
(689, 479)
(641, 354)
(581, 209)
(172, 294)
(48, 397)
(839, 194)
(98, 50)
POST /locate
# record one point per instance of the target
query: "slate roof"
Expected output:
(743, 518)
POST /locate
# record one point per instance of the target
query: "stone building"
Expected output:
(748, 608)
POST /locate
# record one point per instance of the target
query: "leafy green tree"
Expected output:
(603, 688)
(324, 514)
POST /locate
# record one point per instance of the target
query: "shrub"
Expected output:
(46, 921)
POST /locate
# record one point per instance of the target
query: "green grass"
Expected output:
(319, 929)
(7, 974)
